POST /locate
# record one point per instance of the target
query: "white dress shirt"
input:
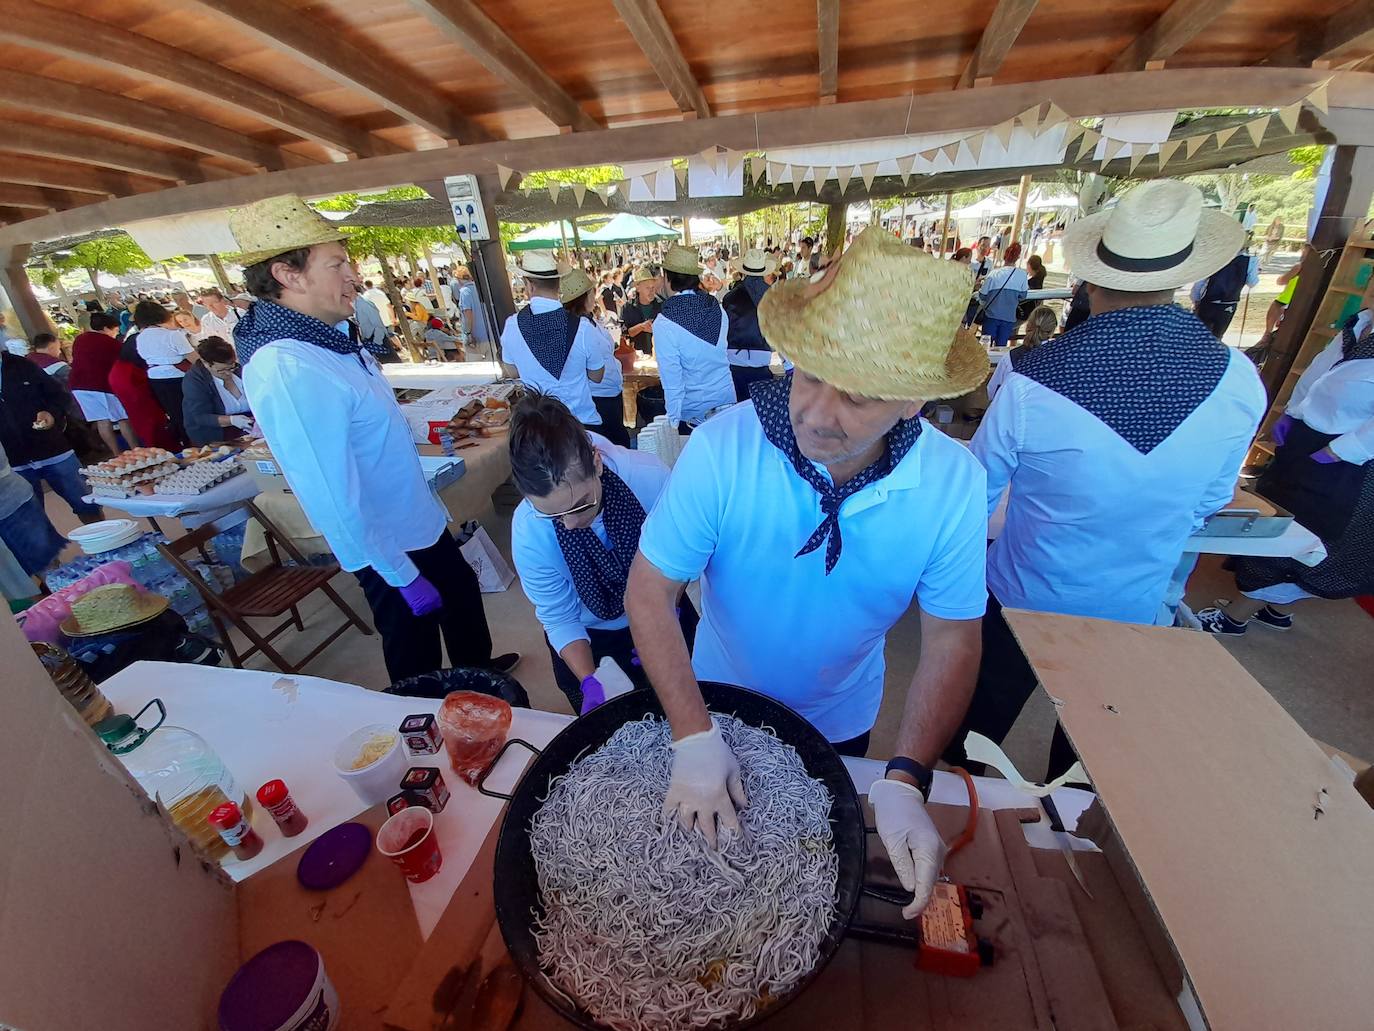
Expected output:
(214, 326)
(613, 382)
(543, 570)
(232, 405)
(382, 303)
(162, 349)
(1339, 399)
(734, 514)
(335, 429)
(573, 387)
(695, 375)
(1094, 527)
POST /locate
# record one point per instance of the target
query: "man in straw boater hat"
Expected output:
(813, 516)
(689, 343)
(749, 354)
(336, 430)
(1115, 440)
(554, 352)
(637, 314)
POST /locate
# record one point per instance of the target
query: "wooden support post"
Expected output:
(739, 231)
(489, 273)
(1346, 204)
(433, 278)
(63, 298)
(217, 267)
(1020, 209)
(834, 229)
(687, 230)
(398, 306)
(577, 243)
(14, 280)
(563, 233)
(944, 227)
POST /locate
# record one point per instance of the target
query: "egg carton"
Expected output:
(198, 478)
(131, 481)
(131, 462)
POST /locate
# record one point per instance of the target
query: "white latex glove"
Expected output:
(913, 844)
(241, 422)
(706, 786)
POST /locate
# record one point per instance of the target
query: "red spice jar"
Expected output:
(237, 833)
(277, 800)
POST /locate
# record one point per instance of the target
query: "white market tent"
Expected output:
(707, 229)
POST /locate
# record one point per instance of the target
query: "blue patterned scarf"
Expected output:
(549, 335)
(600, 573)
(771, 402)
(265, 321)
(1352, 349)
(697, 312)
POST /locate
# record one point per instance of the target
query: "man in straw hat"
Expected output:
(749, 354)
(554, 352)
(1115, 440)
(813, 515)
(690, 341)
(335, 428)
(638, 313)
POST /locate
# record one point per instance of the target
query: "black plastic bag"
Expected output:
(443, 682)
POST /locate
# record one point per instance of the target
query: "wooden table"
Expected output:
(645, 375)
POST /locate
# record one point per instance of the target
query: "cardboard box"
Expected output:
(266, 473)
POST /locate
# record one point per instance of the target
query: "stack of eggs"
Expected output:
(133, 472)
(199, 477)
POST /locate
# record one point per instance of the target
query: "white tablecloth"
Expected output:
(409, 376)
(193, 509)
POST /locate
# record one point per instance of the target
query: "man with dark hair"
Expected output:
(94, 354)
(220, 316)
(749, 354)
(690, 337)
(47, 355)
(335, 428)
(1216, 297)
(808, 258)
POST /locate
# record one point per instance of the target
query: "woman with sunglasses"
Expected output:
(573, 539)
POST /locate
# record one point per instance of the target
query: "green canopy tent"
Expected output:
(543, 238)
(628, 228)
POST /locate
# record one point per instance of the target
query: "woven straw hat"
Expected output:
(682, 259)
(573, 285)
(112, 607)
(539, 265)
(882, 322)
(756, 263)
(1158, 236)
(642, 275)
(277, 225)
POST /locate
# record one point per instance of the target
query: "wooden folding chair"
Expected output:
(267, 593)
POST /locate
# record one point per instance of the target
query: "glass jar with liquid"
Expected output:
(179, 769)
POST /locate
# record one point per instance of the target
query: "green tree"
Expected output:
(116, 255)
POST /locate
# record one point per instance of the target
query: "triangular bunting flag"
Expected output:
(579, 193)
(680, 172)
(1090, 139)
(1317, 98)
(817, 177)
(756, 169)
(774, 173)
(796, 184)
(1256, 128)
(554, 187)
(505, 174)
(603, 191)
(867, 172)
(1224, 136)
(928, 156)
(1003, 132)
(906, 170)
(709, 156)
(843, 175)
(1030, 118)
(1053, 116)
(1167, 150)
(1289, 116)
(1194, 143)
(951, 151)
(733, 159)
(1138, 152)
(975, 145)
(1074, 130)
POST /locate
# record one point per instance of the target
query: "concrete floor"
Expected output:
(1319, 671)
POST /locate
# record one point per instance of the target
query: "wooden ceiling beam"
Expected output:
(46, 141)
(1003, 28)
(392, 86)
(72, 35)
(651, 31)
(828, 46)
(1348, 28)
(64, 175)
(1171, 32)
(9, 216)
(471, 28)
(21, 196)
(96, 107)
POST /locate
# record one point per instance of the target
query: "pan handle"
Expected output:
(482, 779)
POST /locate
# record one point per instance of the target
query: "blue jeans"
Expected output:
(66, 482)
(31, 537)
(999, 330)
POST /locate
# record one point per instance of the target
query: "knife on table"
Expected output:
(1065, 846)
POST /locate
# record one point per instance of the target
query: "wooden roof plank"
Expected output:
(644, 19)
(1350, 27)
(1172, 31)
(1003, 28)
(62, 175)
(44, 199)
(72, 35)
(828, 46)
(474, 30)
(390, 85)
(47, 141)
(84, 104)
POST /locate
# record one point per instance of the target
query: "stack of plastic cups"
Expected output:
(446, 442)
(648, 440)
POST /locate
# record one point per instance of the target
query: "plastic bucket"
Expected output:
(283, 988)
(378, 781)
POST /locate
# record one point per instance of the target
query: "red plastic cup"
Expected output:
(409, 841)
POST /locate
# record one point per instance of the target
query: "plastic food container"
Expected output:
(474, 727)
(377, 781)
(283, 988)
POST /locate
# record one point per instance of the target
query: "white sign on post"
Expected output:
(465, 200)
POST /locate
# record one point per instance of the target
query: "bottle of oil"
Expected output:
(179, 769)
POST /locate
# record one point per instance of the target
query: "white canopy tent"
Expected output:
(707, 229)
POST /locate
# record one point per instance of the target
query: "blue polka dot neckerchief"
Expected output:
(771, 405)
(549, 337)
(265, 322)
(1353, 350)
(1140, 371)
(697, 312)
(600, 573)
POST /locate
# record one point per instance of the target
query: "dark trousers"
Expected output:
(620, 646)
(612, 412)
(745, 376)
(1005, 682)
(410, 643)
(855, 746)
(1217, 316)
(168, 394)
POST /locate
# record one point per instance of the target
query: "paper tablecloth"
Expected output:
(200, 508)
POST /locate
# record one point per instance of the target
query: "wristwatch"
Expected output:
(923, 774)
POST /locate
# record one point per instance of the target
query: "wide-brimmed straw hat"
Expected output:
(573, 285)
(642, 274)
(882, 322)
(1158, 236)
(112, 607)
(757, 263)
(539, 265)
(683, 260)
(277, 225)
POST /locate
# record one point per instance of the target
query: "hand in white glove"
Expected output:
(241, 422)
(706, 786)
(913, 844)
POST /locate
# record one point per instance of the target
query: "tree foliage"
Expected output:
(116, 255)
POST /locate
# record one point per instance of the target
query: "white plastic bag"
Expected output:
(494, 573)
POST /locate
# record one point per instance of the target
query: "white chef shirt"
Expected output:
(211, 325)
(1338, 398)
(162, 349)
(695, 375)
(735, 512)
(1094, 527)
(335, 429)
(573, 387)
(544, 574)
(613, 382)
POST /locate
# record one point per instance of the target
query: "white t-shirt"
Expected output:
(572, 386)
(162, 349)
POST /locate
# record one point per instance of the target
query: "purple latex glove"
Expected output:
(421, 596)
(1280, 431)
(1325, 457)
(593, 694)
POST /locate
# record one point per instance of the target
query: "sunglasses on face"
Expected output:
(578, 510)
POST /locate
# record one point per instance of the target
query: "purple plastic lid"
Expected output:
(270, 988)
(334, 857)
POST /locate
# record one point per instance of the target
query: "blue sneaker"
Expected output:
(1274, 619)
(1215, 621)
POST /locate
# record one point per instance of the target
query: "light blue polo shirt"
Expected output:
(735, 513)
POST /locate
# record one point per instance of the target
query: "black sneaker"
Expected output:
(506, 663)
(1274, 619)
(1215, 621)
